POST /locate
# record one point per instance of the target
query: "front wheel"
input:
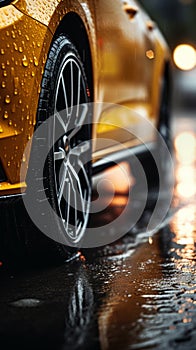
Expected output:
(67, 168)
(59, 185)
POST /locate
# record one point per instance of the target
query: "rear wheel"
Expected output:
(157, 163)
(161, 177)
(160, 160)
(164, 147)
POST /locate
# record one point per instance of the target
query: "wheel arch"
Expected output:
(73, 27)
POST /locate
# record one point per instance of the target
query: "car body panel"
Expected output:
(23, 44)
(128, 57)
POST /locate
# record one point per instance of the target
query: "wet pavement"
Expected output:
(136, 293)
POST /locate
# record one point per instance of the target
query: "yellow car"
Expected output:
(61, 55)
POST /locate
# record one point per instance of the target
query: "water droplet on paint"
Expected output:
(15, 47)
(24, 61)
(7, 99)
(5, 116)
(36, 63)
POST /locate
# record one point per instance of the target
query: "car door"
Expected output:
(124, 77)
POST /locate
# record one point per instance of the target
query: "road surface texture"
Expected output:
(136, 293)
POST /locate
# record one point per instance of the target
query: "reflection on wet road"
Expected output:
(137, 293)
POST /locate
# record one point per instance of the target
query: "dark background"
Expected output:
(176, 19)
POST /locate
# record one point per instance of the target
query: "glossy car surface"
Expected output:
(125, 58)
(120, 57)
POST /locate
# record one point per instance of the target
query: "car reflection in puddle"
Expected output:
(138, 292)
(151, 295)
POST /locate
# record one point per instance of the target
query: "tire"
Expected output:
(63, 177)
(157, 164)
(164, 124)
(164, 146)
(161, 183)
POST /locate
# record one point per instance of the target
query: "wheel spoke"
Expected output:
(68, 195)
(64, 93)
(61, 122)
(72, 85)
(80, 194)
(75, 204)
(60, 130)
(78, 227)
(79, 121)
(63, 181)
(78, 93)
(80, 149)
(84, 173)
(59, 155)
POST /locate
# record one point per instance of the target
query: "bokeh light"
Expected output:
(185, 145)
(184, 57)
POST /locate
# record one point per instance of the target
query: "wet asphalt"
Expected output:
(136, 293)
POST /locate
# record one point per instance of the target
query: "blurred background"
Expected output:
(177, 21)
